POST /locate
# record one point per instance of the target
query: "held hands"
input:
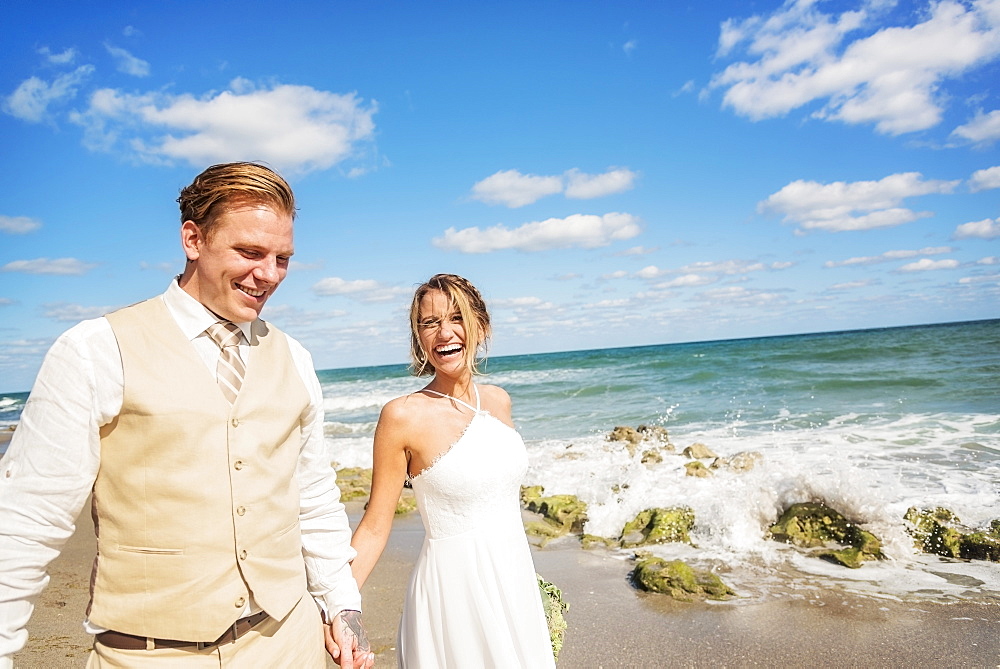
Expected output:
(347, 642)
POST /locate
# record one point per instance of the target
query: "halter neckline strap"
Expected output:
(455, 399)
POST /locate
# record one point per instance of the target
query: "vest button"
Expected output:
(238, 464)
(241, 510)
(243, 555)
(239, 603)
(236, 422)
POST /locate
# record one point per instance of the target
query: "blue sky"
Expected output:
(609, 174)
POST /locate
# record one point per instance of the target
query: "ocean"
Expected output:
(870, 422)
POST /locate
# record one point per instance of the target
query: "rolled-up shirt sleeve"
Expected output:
(49, 470)
(326, 532)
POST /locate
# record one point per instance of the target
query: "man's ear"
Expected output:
(192, 239)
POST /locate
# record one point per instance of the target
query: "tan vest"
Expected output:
(196, 503)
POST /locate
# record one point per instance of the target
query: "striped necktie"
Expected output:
(231, 369)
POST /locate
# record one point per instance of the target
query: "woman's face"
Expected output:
(441, 333)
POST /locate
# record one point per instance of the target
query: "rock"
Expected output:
(563, 510)
(934, 531)
(541, 532)
(354, 483)
(555, 607)
(697, 468)
(698, 451)
(940, 531)
(655, 433)
(657, 526)
(625, 433)
(743, 461)
(561, 514)
(653, 456)
(589, 541)
(680, 581)
(814, 525)
(980, 546)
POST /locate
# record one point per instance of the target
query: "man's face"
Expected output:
(241, 263)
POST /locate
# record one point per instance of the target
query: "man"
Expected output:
(215, 506)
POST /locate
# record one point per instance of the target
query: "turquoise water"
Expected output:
(871, 422)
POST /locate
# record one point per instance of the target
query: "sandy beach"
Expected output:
(611, 624)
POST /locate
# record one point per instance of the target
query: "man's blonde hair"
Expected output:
(222, 187)
(475, 320)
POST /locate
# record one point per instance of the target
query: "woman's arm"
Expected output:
(389, 464)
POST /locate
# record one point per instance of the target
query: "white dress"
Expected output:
(473, 599)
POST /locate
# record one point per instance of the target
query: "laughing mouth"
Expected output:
(448, 350)
(251, 292)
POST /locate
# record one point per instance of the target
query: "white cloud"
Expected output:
(18, 225)
(987, 179)
(989, 260)
(60, 266)
(851, 285)
(513, 189)
(739, 296)
(73, 313)
(638, 251)
(576, 231)
(983, 129)
(363, 290)
(988, 228)
(518, 302)
(128, 63)
(31, 99)
(651, 272)
(6, 301)
(889, 256)
(64, 57)
(926, 265)
(582, 186)
(859, 205)
(296, 128)
(687, 280)
(858, 70)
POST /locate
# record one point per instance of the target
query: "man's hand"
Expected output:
(347, 642)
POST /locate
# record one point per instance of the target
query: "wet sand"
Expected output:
(611, 624)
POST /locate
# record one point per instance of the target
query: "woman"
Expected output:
(473, 600)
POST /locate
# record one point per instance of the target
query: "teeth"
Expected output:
(251, 292)
(451, 348)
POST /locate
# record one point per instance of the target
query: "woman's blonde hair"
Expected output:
(475, 320)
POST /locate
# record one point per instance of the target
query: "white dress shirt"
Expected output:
(53, 458)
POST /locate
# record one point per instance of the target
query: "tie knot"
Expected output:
(224, 333)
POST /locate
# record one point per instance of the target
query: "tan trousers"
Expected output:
(296, 641)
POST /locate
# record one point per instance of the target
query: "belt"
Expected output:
(123, 641)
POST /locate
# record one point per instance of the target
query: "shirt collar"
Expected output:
(191, 315)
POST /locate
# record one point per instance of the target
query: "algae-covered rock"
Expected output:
(699, 451)
(743, 461)
(941, 532)
(561, 514)
(563, 510)
(589, 541)
(406, 503)
(980, 546)
(657, 526)
(697, 468)
(354, 482)
(679, 580)
(555, 607)
(815, 525)
(655, 433)
(652, 456)
(934, 531)
(541, 532)
(625, 433)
